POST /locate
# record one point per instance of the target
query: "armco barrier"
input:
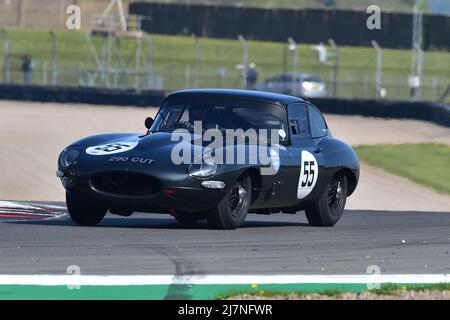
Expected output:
(81, 95)
(426, 111)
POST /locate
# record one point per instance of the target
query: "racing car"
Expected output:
(296, 164)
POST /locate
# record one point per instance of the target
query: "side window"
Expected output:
(298, 120)
(317, 122)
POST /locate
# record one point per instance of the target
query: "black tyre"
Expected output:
(189, 218)
(232, 210)
(327, 210)
(84, 212)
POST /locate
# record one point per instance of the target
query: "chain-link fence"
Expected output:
(70, 58)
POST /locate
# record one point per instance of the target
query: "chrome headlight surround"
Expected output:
(69, 156)
(206, 169)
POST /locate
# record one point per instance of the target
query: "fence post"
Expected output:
(415, 80)
(6, 70)
(137, 64)
(198, 61)
(293, 49)
(44, 73)
(378, 76)
(335, 65)
(150, 76)
(244, 61)
(54, 72)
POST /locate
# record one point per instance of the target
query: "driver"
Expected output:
(204, 114)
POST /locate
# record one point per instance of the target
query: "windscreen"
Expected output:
(220, 114)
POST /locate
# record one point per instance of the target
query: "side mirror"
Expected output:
(148, 122)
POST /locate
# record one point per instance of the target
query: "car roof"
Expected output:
(238, 94)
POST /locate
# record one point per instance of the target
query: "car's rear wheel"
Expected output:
(232, 210)
(189, 218)
(84, 212)
(327, 210)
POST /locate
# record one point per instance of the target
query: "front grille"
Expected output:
(125, 184)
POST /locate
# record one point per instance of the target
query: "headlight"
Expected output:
(206, 169)
(68, 157)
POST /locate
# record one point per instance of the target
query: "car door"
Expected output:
(304, 159)
(281, 187)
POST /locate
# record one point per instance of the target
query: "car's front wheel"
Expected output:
(232, 210)
(327, 210)
(84, 212)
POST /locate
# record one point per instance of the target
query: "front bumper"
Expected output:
(183, 195)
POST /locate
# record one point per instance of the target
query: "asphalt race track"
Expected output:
(145, 244)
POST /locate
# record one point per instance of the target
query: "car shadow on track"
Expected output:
(156, 223)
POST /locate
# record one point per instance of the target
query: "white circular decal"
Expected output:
(308, 175)
(111, 148)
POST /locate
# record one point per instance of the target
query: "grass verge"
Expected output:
(424, 163)
(384, 290)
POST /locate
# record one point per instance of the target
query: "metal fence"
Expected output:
(169, 63)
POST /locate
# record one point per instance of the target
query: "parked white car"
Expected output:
(305, 85)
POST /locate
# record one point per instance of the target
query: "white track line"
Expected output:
(15, 205)
(11, 207)
(18, 205)
(59, 280)
(32, 214)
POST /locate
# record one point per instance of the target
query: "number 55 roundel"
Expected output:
(111, 148)
(308, 175)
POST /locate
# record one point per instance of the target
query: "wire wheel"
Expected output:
(237, 197)
(230, 213)
(329, 207)
(335, 194)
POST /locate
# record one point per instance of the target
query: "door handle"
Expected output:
(318, 150)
